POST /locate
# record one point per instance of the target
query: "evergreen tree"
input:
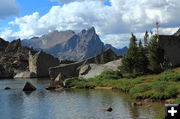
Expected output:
(156, 55)
(129, 60)
(146, 37)
(142, 60)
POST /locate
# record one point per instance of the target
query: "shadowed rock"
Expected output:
(29, 87)
(73, 69)
(54, 85)
(40, 62)
(13, 46)
(13, 58)
(7, 88)
(136, 104)
(171, 46)
(109, 109)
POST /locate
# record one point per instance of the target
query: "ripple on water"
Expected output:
(68, 104)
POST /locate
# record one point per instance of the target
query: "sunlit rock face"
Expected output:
(40, 62)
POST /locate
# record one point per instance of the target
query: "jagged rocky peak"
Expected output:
(13, 46)
(69, 45)
(88, 31)
(3, 44)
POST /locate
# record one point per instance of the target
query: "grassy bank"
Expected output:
(158, 86)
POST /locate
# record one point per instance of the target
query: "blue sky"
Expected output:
(114, 20)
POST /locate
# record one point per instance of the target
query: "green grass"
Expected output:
(169, 75)
(163, 86)
(177, 101)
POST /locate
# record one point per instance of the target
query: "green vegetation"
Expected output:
(169, 75)
(135, 61)
(140, 60)
(159, 87)
(155, 55)
(143, 59)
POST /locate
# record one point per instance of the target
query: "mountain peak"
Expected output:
(92, 29)
(71, 46)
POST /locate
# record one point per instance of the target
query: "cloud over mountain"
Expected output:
(113, 21)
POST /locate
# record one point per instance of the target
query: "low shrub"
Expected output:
(177, 101)
(169, 76)
(110, 75)
(129, 76)
(140, 88)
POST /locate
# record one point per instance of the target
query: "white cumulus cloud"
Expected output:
(115, 22)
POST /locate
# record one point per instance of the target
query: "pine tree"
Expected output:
(146, 37)
(156, 55)
(142, 60)
(129, 60)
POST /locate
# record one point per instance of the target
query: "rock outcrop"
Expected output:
(5, 73)
(171, 46)
(97, 69)
(7, 88)
(3, 44)
(73, 69)
(29, 87)
(40, 62)
(13, 46)
(13, 58)
(25, 74)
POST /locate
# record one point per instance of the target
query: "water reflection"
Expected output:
(68, 104)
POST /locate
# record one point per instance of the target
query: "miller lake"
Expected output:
(68, 104)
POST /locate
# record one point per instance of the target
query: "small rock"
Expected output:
(148, 100)
(54, 85)
(136, 104)
(66, 82)
(109, 109)
(7, 88)
(29, 87)
(59, 89)
(60, 77)
(84, 69)
(169, 101)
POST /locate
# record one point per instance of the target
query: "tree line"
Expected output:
(143, 58)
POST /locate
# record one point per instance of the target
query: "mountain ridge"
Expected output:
(70, 45)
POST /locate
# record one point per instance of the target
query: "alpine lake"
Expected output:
(69, 103)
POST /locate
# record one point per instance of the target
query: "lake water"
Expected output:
(68, 104)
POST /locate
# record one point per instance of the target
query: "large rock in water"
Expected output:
(73, 69)
(25, 74)
(29, 87)
(40, 62)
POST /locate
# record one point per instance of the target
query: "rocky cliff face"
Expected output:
(13, 58)
(40, 62)
(69, 45)
(73, 69)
